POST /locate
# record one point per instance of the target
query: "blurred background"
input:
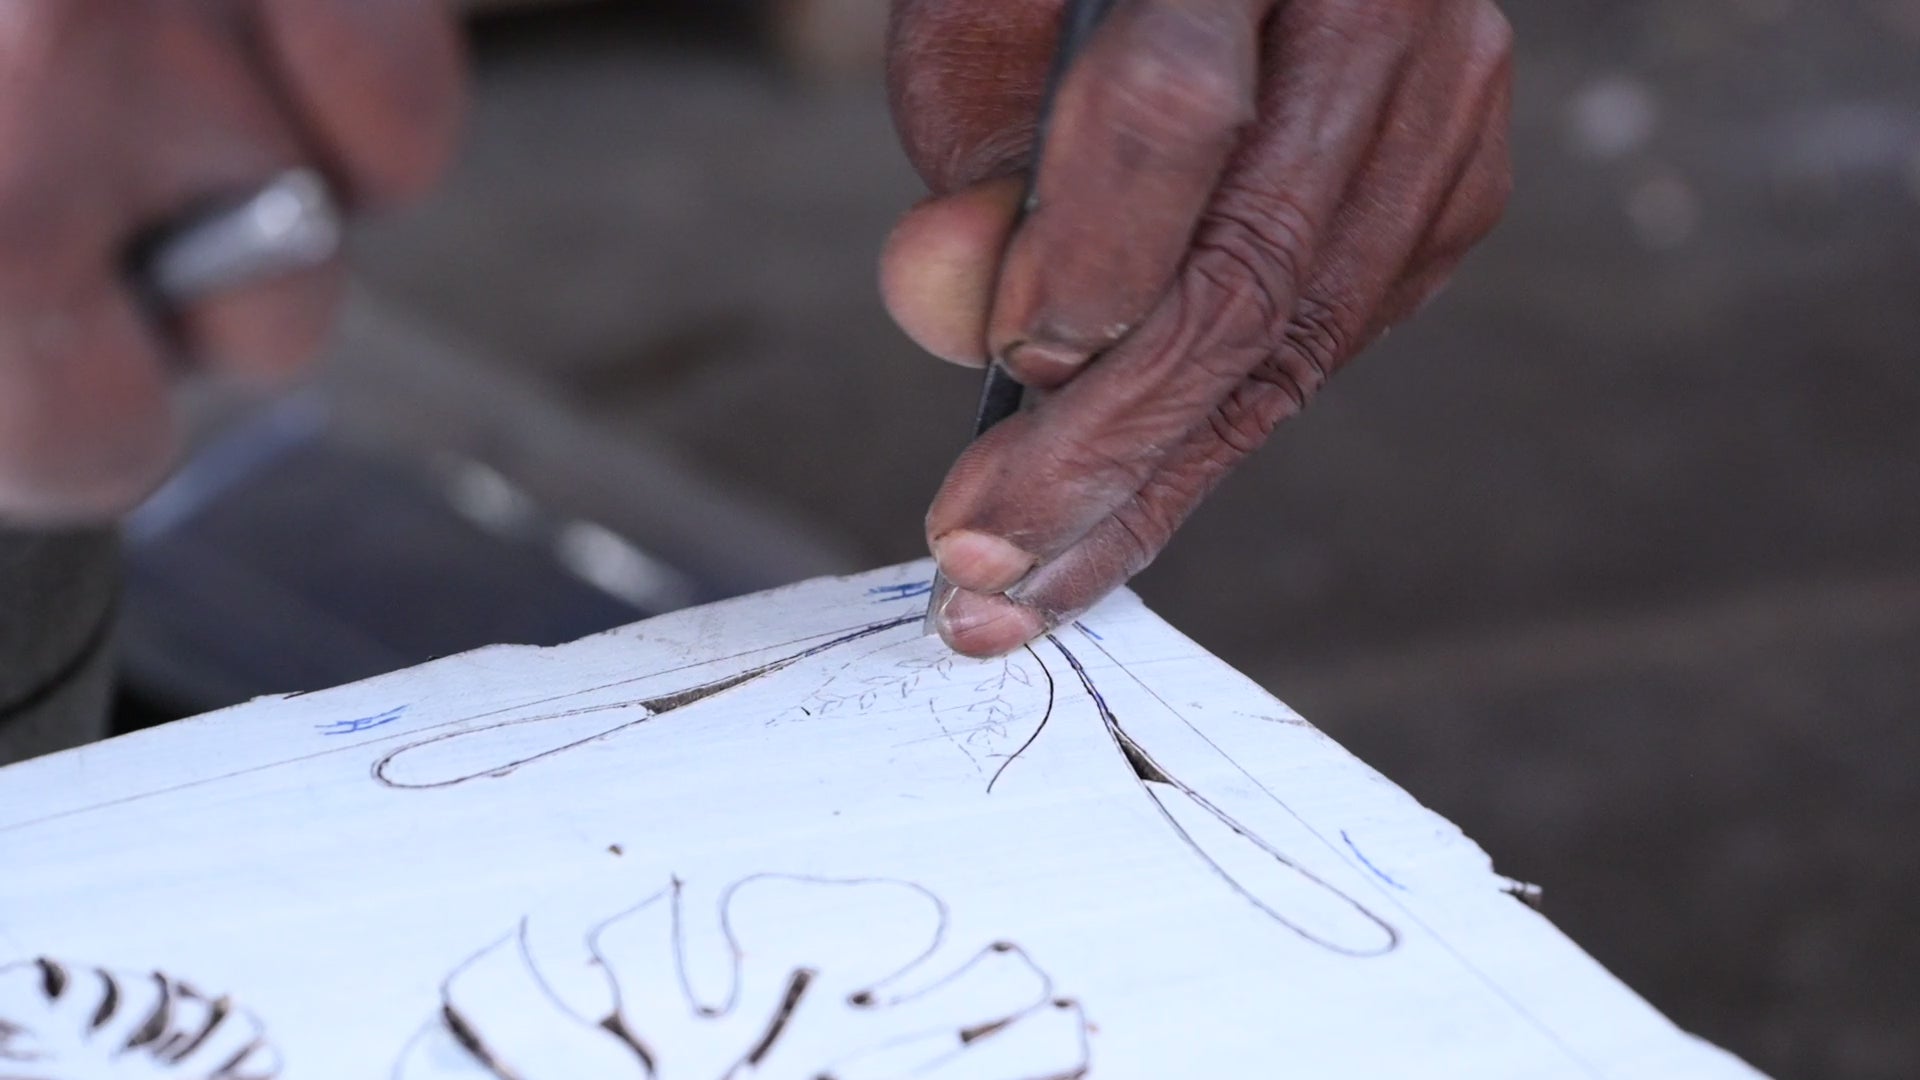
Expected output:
(1613, 557)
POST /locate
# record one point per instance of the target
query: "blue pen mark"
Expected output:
(364, 723)
(1368, 863)
(883, 594)
(1088, 630)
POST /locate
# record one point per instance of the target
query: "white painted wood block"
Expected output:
(780, 837)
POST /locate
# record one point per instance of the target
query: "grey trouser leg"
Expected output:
(57, 593)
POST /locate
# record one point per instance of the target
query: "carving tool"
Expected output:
(1002, 395)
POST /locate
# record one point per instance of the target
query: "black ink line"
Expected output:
(1461, 958)
(155, 1036)
(464, 1032)
(362, 744)
(1144, 768)
(942, 919)
(216, 1013)
(616, 1025)
(163, 1048)
(968, 1036)
(675, 892)
(1086, 1048)
(998, 948)
(1152, 775)
(474, 1043)
(109, 1001)
(653, 708)
(470, 1041)
(797, 984)
(616, 1022)
(157, 1021)
(53, 978)
(539, 979)
(228, 1069)
(1040, 727)
(613, 1023)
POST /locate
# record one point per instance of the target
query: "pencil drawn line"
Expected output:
(865, 695)
(1407, 912)
(188, 785)
(952, 738)
(616, 1022)
(651, 708)
(1151, 776)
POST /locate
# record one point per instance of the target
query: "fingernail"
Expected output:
(982, 563)
(1039, 364)
(987, 626)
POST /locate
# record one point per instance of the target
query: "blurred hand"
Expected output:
(1236, 197)
(116, 117)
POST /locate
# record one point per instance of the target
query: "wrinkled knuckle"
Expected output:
(1226, 318)
(1272, 393)
(1228, 278)
(1152, 517)
(1315, 342)
(1261, 241)
(1239, 434)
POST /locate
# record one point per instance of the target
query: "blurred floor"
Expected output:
(1613, 557)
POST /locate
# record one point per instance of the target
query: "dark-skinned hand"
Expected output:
(1236, 197)
(117, 116)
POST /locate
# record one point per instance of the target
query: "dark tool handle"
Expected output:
(1001, 395)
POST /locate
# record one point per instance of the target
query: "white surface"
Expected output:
(536, 841)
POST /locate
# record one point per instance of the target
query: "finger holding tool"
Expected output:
(290, 224)
(1001, 394)
(202, 278)
(243, 285)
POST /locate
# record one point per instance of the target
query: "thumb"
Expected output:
(940, 267)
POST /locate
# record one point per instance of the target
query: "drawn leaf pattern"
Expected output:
(62, 1021)
(823, 979)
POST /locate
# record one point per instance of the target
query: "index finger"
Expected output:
(1140, 131)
